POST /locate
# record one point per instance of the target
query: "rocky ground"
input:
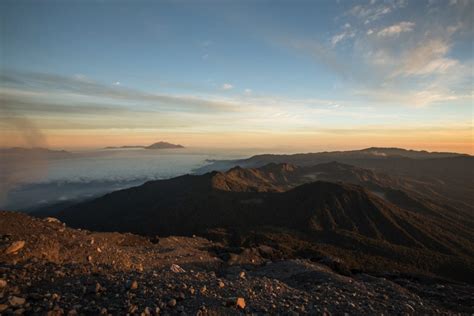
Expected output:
(48, 268)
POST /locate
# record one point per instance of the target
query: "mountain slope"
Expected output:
(445, 177)
(271, 195)
(404, 192)
(323, 213)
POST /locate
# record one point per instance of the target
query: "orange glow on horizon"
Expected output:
(460, 141)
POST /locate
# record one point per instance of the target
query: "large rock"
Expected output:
(52, 220)
(238, 302)
(15, 247)
(176, 268)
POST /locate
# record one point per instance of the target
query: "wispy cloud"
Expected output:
(373, 11)
(227, 86)
(396, 29)
(429, 57)
(421, 70)
(415, 97)
(61, 102)
(73, 86)
(346, 33)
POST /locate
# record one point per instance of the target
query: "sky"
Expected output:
(277, 75)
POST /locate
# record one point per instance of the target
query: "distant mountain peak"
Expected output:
(157, 145)
(163, 145)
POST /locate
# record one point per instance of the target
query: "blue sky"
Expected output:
(302, 75)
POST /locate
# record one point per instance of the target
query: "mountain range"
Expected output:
(448, 176)
(399, 219)
(375, 231)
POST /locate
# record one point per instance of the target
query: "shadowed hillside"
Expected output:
(242, 201)
(444, 177)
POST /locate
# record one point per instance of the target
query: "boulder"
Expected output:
(52, 220)
(176, 268)
(238, 302)
(15, 246)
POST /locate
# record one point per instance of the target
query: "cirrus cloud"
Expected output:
(429, 57)
(396, 29)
